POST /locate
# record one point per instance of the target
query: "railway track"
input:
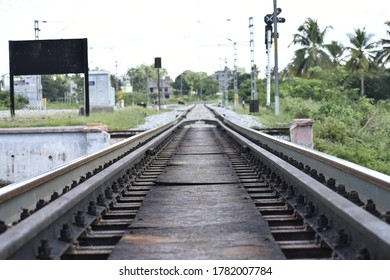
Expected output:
(83, 209)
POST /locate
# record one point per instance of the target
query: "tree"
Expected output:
(313, 51)
(139, 76)
(199, 82)
(383, 56)
(361, 59)
(54, 88)
(336, 51)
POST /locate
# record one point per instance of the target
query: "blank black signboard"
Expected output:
(45, 57)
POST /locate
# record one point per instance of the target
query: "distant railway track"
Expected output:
(316, 206)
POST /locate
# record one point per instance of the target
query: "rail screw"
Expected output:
(66, 233)
(80, 219)
(44, 250)
(371, 208)
(363, 254)
(290, 192)
(354, 197)
(108, 193)
(331, 184)
(92, 208)
(24, 214)
(40, 204)
(322, 222)
(309, 210)
(341, 239)
(300, 200)
(321, 178)
(74, 184)
(65, 189)
(3, 227)
(54, 196)
(100, 200)
(115, 187)
(341, 190)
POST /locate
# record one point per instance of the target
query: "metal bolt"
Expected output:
(341, 239)
(331, 184)
(321, 178)
(80, 219)
(66, 233)
(115, 187)
(290, 191)
(40, 204)
(363, 254)
(65, 189)
(100, 200)
(371, 208)
(322, 222)
(309, 210)
(313, 174)
(82, 179)
(108, 192)
(44, 250)
(24, 214)
(3, 226)
(354, 197)
(54, 196)
(341, 190)
(300, 200)
(74, 184)
(92, 208)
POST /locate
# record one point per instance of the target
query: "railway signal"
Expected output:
(271, 21)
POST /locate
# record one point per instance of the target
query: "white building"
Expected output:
(28, 86)
(101, 94)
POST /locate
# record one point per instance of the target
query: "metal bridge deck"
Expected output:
(198, 210)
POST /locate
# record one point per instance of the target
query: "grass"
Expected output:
(123, 119)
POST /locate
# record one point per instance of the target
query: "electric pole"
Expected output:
(254, 104)
(270, 19)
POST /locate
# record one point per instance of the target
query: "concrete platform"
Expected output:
(198, 210)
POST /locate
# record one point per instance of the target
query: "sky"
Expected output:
(195, 35)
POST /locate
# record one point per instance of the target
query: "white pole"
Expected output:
(269, 41)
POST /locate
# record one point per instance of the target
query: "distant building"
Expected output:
(28, 86)
(166, 88)
(101, 94)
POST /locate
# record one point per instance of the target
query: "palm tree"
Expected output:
(336, 51)
(361, 60)
(383, 56)
(312, 53)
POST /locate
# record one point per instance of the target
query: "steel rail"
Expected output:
(363, 230)
(368, 183)
(24, 195)
(22, 240)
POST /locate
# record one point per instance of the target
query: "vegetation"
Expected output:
(121, 120)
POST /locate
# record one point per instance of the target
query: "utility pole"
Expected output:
(277, 11)
(270, 19)
(268, 43)
(226, 85)
(254, 104)
(235, 82)
(36, 28)
(38, 77)
(157, 65)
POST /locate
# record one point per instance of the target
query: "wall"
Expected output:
(27, 152)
